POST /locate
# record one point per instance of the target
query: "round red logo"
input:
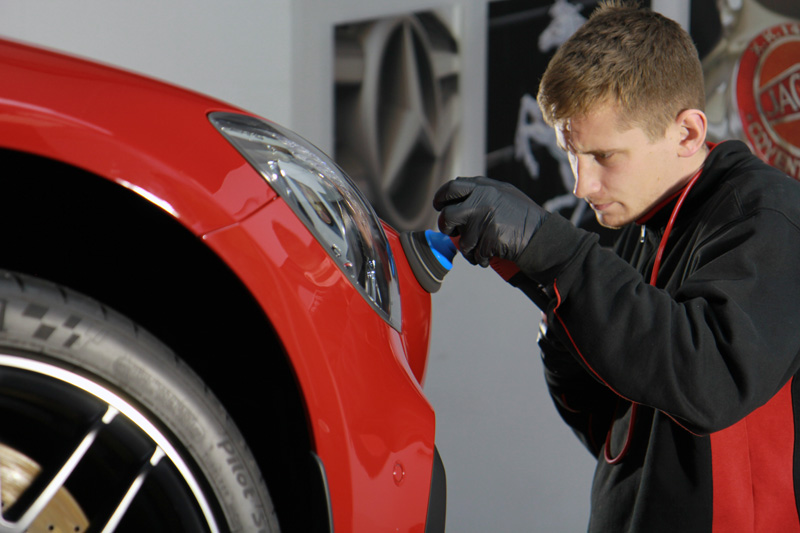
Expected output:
(768, 96)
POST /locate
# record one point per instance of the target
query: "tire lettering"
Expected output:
(227, 446)
(238, 469)
(147, 386)
(260, 520)
(235, 464)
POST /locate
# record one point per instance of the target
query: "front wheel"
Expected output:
(103, 428)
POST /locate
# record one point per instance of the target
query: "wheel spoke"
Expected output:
(57, 482)
(126, 501)
(31, 503)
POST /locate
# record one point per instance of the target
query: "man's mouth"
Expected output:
(599, 206)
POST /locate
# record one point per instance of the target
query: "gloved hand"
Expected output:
(493, 218)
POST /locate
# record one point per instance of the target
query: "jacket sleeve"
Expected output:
(722, 344)
(585, 404)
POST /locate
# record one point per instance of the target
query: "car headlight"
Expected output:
(325, 200)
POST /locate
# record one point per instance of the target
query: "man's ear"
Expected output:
(692, 124)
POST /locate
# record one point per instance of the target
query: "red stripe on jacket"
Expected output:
(752, 467)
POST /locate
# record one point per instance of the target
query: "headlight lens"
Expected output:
(325, 200)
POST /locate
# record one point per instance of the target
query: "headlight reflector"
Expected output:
(325, 200)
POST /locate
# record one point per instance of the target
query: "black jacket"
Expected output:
(709, 354)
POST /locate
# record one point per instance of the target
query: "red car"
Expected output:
(203, 325)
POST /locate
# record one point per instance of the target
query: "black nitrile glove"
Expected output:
(493, 218)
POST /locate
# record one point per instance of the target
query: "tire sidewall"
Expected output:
(48, 322)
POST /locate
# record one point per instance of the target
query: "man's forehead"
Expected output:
(578, 144)
(597, 125)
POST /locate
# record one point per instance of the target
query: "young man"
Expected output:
(673, 357)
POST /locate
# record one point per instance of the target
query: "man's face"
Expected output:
(621, 174)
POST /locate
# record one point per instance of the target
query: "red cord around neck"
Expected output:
(653, 277)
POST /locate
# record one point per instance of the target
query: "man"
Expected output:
(673, 357)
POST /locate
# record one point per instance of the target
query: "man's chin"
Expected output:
(610, 222)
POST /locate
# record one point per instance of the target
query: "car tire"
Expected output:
(94, 405)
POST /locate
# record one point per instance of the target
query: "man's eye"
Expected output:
(602, 156)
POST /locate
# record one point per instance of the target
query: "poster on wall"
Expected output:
(753, 79)
(751, 58)
(521, 149)
(397, 110)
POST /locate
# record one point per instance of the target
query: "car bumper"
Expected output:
(373, 429)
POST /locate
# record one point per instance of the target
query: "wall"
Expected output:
(236, 53)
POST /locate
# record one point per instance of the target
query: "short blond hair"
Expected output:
(624, 55)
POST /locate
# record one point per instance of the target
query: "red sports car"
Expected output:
(203, 325)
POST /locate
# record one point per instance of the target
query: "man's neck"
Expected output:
(688, 168)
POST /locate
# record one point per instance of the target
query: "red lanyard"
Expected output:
(653, 276)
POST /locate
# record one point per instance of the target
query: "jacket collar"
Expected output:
(713, 171)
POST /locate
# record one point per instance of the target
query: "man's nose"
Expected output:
(587, 181)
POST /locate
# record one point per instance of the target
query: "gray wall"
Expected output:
(512, 465)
